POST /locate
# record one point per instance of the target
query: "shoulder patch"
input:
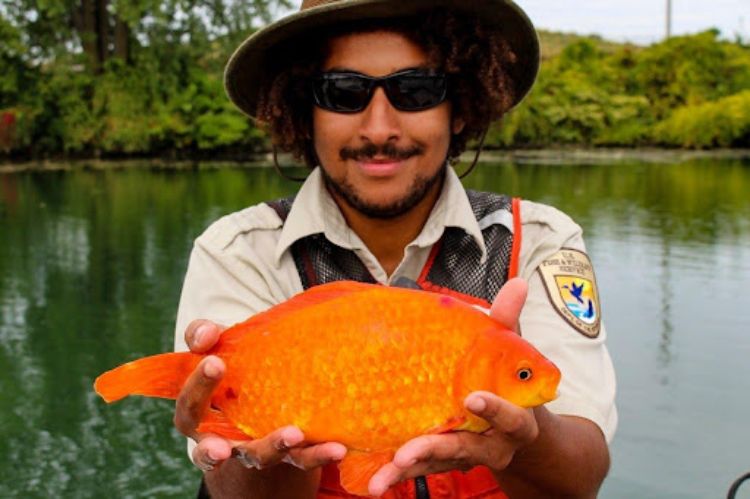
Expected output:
(568, 277)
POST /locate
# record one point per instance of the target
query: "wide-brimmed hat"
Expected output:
(260, 57)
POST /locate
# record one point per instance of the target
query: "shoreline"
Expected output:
(606, 156)
(550, 156)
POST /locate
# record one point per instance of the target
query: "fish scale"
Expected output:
(359, 370)
(365, 365)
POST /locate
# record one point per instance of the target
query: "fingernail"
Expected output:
(377, 491)
(291, 437)
(281, 445)
(210, 369)
(476, 404)
(200, 333)
(247, 461)
(339, 453)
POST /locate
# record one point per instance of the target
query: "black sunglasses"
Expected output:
(408, 90)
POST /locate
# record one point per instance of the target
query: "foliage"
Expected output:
(553, 42)
(578, 99)
(114, 77)
(144, 77)
(664, 94)
(723, 123)
(690, 70)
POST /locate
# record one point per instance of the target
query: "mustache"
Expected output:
(388, 151)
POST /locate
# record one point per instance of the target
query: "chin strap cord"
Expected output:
(281, 171)
(476, 156)
(736, 485)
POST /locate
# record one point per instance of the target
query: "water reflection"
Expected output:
(91, 264)
(665, 355)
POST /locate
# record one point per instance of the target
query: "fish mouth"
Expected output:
(549, 392)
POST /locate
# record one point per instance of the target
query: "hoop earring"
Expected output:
(280, 171)
(476, 156)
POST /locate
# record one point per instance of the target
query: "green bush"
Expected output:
(690, 70)
(677, 93)
(167, 96)
(723, 123)
(577, 101)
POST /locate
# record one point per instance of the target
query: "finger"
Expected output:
(391, 474)
(504, 416)
(195, 396)
(269, 450)
(426, 455)
(385, 478)
(507, 306)
(451, 447)
(316, 455)
(201, 335)
(210, 451)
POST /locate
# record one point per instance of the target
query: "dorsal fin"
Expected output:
(313, 296)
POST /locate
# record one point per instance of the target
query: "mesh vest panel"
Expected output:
(456, 265)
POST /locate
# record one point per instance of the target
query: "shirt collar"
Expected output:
(314, 212)
(452, 209)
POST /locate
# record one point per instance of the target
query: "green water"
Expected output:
(91, 263)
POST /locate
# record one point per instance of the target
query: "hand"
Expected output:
(283, 445)
(512, 427)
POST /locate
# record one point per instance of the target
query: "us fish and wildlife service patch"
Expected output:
(568, 277)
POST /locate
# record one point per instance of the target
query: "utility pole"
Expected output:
(669, 18)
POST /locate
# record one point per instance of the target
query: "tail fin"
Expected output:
(156, 376)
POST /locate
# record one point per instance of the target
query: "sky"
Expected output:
(640, 21)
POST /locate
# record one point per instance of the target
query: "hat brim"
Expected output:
(253, 63)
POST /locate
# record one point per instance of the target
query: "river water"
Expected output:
(91, 263)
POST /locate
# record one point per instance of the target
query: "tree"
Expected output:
(106, 29)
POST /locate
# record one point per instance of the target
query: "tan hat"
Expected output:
(254, 61)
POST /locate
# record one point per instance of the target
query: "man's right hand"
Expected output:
(283, 445)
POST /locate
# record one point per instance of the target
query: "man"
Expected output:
(379, 96)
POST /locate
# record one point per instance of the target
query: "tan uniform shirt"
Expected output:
(242, 264)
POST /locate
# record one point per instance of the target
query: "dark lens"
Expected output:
(342, 93)
(415, 91)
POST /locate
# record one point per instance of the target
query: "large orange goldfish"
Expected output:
(365, 365)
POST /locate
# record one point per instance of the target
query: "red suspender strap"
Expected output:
(429, 286)
(517, 237)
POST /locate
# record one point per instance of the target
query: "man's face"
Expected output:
(381, 161)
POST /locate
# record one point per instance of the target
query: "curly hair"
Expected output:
(476, 60)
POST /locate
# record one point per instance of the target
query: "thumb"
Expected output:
(507, 306)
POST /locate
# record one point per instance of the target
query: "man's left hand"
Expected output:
(512, 428)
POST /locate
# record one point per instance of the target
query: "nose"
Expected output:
(380, 120)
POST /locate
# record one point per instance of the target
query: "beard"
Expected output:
(416, 193)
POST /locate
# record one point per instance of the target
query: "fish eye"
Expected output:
(524, 374)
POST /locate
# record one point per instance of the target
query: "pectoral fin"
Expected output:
(358, 467)
(217, 423)
(450, 425)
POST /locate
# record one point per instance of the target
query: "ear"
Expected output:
(457, 126)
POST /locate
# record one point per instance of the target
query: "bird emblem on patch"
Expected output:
(568, 277)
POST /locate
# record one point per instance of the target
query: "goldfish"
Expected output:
(365, 365)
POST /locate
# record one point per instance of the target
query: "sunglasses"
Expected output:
(408, 90)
